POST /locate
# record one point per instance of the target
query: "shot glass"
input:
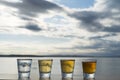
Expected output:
(45, 67)
(67, 68)
(24, 68)
(89, 69)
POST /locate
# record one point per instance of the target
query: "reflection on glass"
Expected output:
(44, 79)
(67, 68)
(89, 79)
(45, 68)
(24, 68)
(89, 69)
(67, 78)
(24, 79)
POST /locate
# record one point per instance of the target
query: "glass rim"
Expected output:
(89, 60)
(45, 60)
(67, 59)
(24, 59)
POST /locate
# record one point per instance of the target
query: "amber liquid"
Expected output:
(45, 66)
(89, 67)
(67, 66)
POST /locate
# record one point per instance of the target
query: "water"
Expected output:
(107, 69)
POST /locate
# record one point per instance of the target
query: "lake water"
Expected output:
(107, 68)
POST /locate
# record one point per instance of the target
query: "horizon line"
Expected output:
(12, 55)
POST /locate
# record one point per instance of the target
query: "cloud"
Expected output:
(32, 7)
(103, 24)
(91, 30)
(91, 21)
(94, 47)
(30, 47)
(112, 4)
(106, 5)
(113, 28)
(112, 48)
(32, 27)
(103, 36)
(97, 21)
(88, 20)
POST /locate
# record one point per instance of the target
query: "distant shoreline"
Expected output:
(57, 56)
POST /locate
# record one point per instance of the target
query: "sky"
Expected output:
(60, 27)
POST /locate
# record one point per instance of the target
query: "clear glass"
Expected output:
(89, 69)
(24, 68)
(45, 67)
(67, 68)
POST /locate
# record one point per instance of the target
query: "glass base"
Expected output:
(67, 78)
(42, 78)
(24, 75)
(89, 76)
(44, 75)
(89, 79)
(24, 79)
(67, 75)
